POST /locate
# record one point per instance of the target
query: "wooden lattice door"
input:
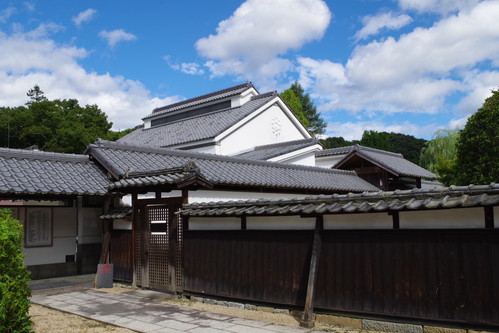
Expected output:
(158, 242)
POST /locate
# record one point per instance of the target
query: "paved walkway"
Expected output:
(144, 311)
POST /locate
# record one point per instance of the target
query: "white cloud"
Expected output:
(84, 16)
(374, 24)
(438, 6)
(415, 73)
(116, 36)
(251, 40)
(354, 130)
(191, 68)
(6, 13)
(26, 61)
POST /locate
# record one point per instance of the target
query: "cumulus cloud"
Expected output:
(374, 24)
(6, 13)
(116, 36)
(84, 16)
(415, 73)
(438, 6)
(251, 40)
(354, 130)
(26, 61)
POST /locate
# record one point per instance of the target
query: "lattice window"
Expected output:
(137, 234)
(158, 246)
(179, 272)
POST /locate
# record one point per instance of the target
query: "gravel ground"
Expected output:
(46, 320)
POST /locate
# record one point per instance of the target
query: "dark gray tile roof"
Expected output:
(117, 213)
(416, 199)
(197, 128)
(28, 172)
(392, 162)
(220, 94)
(121, 159)
(263, 153)
(336, 151)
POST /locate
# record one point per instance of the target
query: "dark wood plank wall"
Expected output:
(441, 275)
(270, 266)
(120, 254)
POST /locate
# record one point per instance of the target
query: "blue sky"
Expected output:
(407, 66)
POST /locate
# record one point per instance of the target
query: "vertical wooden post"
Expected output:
(308, 313)
(135, 216)
(489, 217)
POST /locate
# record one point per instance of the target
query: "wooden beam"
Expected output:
(308, 313)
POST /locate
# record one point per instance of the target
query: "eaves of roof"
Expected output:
(43, 174)
(369, 202)
(391, 162)
(222, 171)
(224, 93)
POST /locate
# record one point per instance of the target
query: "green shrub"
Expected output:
(14, 277)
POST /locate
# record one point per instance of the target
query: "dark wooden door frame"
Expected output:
(143, 245)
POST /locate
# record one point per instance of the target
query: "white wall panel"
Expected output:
(214, 223)
(280, 223)
(358, 221)
(443, 219)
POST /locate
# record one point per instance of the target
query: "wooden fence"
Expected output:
(430, 275)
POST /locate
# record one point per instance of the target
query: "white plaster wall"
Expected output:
(280, 223)
(64, 220)
(63, 238)
(443, 219)
(259, 131)
(328, 161)
(358, 221)
(214, 223)
(211, 149)
(214, 196)
(62, 246)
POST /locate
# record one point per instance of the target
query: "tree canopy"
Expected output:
(303, 107)
(439, 155)
(58, 125)
(478, 145)
(407, 145)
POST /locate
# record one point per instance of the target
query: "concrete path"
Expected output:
(143, 311)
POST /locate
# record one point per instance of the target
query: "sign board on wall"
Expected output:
(38, 228)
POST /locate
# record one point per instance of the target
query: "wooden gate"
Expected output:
(158, 238)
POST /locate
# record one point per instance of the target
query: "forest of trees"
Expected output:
(58, 125)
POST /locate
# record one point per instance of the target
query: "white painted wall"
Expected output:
(328, 161)
(443, 219)
(305, 156)
(221, 223)
(215, 196)
(358, 221)
(63, 238)
(268, 127)
(280, 223)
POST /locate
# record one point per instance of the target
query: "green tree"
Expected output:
(14, 277)
(478, 145)
(59, 125)
(36, 94)
(336, 141)
(294, 104)
(440, 155)
(314, 124)
(407, 145)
